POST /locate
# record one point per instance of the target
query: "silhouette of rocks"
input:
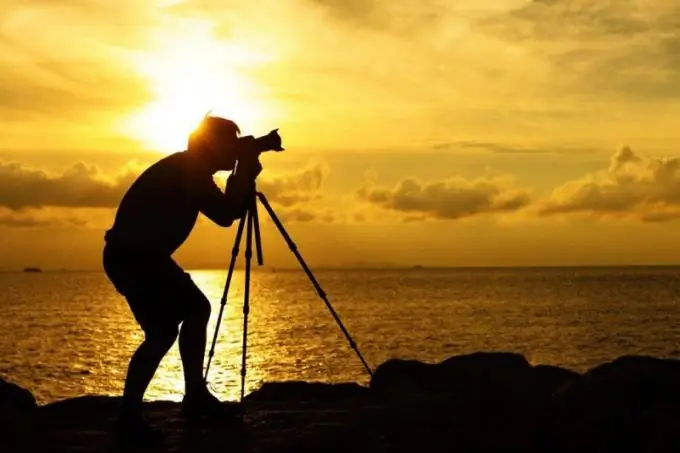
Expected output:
(17, 411)
(482, 402)
(308, 392)
(16, 399)
(503, 374)
(630, 404)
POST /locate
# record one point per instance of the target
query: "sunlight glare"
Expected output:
(191, 75)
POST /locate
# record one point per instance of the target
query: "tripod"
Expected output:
(251, 218)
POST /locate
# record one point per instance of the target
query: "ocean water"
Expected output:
(66, 334)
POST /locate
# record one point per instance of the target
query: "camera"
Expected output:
(249, 149)
(251, 145)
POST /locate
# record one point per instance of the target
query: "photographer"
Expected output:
(153, 220)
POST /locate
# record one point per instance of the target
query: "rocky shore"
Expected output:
(483, 402)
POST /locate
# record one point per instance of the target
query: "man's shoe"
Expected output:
(206, 405)
(134, 430)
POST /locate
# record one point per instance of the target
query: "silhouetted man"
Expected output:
(154, 218)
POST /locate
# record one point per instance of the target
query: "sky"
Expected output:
(432, 132)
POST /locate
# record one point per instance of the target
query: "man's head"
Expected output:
(215, 140)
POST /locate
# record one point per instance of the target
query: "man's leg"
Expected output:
(192, 342)
(198, 401)
(160, 335)
(142, 283)
(143, 366)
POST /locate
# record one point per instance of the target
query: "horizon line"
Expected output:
(368, 267)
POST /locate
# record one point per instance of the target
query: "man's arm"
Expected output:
(223, 207)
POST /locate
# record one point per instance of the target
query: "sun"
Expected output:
(190, 77)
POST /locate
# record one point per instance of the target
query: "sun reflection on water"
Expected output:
(224, 376)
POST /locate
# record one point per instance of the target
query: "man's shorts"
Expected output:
(160, 294)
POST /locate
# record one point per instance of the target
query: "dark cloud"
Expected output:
(295, 188)
(133, 20)
(10, 221)
(645, 69)
(550, 19)
(79, 186)
(296, 197)
(608, 48)
(350, 9)
(314, 213)
(296, 215)
(24, 189)
(70, 90)
(359, 217)
(454, 198)
(40, 74)
(632, 186)
(404, 17)
(499, 148)
(13, 219)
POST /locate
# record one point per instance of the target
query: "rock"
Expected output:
(484, 400)
(629, 404)
(452, 375)
(297, 391)
(18, 408)
(491, 402)
(500, 374)
(549, 379)
(16, 399)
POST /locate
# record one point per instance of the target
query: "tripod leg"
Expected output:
(258, 239)
(321, 292)
(246, 299)
(223, 302)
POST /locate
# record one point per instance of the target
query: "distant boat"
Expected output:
(32, 269)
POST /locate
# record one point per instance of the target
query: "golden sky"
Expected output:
(466, 133)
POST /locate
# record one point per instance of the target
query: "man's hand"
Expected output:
(237, 194)
(249, 167)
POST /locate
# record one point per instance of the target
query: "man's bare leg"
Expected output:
(192, 342)
(142, 367)
(131, 426)
(198, 400)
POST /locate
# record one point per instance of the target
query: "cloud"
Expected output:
(554, 20)
(454, 198)
(59, 74)
(633, 186)
(599, 49)
(66, 90)
(37, 219)
(434, 64)
(299, 214)
(383, 16)
(495, 148)
(8, 220)
(24, 191)
(303, 215)
(500, 148)
(79, 186)
(295, 188)
(297, 197)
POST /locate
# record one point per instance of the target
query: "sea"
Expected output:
(68, 334)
